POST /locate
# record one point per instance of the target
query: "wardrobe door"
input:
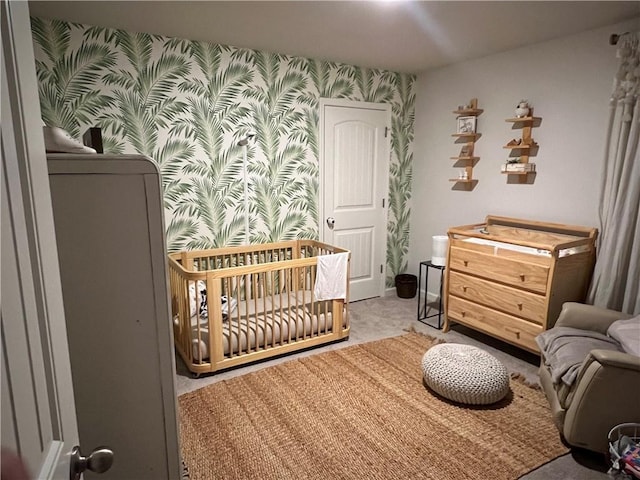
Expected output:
(109, 228)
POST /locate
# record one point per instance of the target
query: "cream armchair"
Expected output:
(606, 391)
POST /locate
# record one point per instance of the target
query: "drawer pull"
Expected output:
(464, 288)
(522, 277)
(514, 331)
(519, 305)
(466, 263)
(463, 313)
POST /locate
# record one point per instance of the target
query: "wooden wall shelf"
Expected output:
(523, 148)
(461, 180)
(468, 139)
(523, 119)
(518, 173)
(464, 135)
(468, 111)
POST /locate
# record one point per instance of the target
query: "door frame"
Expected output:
(386, 158)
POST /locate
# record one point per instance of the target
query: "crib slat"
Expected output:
(198, 327)
(290, 328)
(251, 290)
(238, 320)
(234, 317)
(283, 273)
(214, 309)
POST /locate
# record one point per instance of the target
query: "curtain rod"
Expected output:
(614, 37)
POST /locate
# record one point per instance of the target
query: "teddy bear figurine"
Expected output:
(522, 110)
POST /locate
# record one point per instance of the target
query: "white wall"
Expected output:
(568, 81)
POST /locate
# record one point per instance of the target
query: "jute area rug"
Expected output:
(362, 412)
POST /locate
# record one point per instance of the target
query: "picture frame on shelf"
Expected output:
(466, 124)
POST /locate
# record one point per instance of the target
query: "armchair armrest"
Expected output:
(610, 361)
(611, 358)
(606, 393)
(588, 317)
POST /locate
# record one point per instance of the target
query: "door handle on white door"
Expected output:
(331, 222)
(98, 461)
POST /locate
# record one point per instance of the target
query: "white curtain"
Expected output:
(616, 278)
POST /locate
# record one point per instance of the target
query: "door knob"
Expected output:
(98, 461)
(331, 222)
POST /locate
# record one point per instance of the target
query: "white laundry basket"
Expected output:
(623, 439)
(439, 250)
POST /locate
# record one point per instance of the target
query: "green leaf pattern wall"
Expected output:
(186, 103)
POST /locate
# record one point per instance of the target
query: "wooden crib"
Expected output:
(236, 305)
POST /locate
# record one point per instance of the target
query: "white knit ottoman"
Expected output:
(465, 374)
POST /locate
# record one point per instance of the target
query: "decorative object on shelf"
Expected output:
(522, 109)
(466, 126)
(518, 168)
(521, 149)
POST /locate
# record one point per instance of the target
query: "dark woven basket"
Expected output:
(406, 285)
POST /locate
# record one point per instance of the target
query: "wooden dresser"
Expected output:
(508, 277)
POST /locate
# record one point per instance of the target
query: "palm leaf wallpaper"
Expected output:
(186, 104)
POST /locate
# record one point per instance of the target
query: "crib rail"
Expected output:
(239, 304)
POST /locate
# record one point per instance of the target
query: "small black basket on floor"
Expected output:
(406, 285)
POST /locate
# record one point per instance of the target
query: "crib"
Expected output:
(236, 305)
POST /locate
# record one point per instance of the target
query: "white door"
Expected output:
(355, 181)
(38, 413)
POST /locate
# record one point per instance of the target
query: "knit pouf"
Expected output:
(465, 374)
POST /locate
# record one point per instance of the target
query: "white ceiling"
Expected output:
(404, 36)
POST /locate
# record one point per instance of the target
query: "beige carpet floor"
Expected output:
(360, 412)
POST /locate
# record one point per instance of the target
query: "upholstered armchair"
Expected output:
(606, 390)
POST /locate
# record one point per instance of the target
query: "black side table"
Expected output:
(423, 306)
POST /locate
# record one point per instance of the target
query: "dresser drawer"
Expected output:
(511, 329)
(530, 306)
(512, 272)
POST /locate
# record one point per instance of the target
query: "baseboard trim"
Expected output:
(431, 297)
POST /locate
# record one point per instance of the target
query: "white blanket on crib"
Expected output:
(331, 276)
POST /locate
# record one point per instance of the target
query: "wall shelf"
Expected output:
(520, 147)
(523, 119)
(468, 139)
(461, 180)
(464, 135)
(524, 148)
(518, 173)
(468, 111)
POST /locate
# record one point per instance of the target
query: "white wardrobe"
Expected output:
(108, 213)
